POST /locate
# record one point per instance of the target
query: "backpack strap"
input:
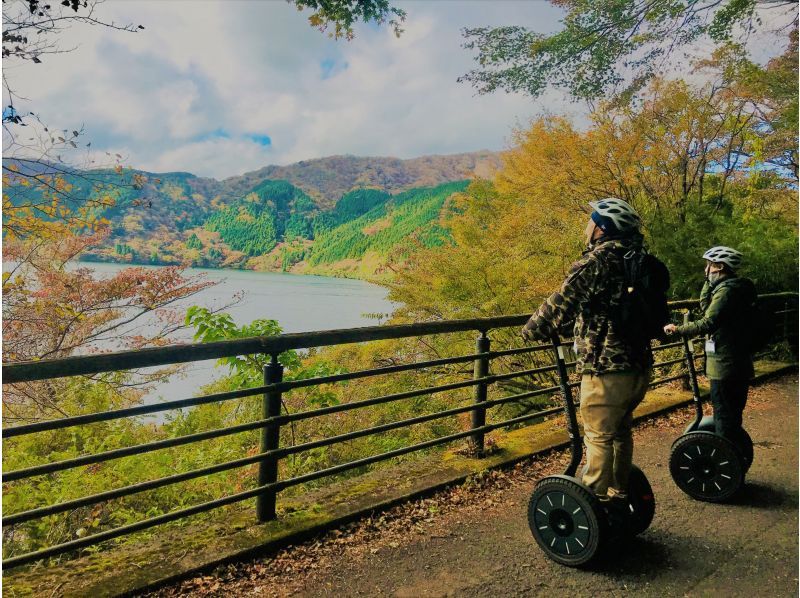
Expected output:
(632, 261)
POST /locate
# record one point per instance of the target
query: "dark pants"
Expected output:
(729, 398)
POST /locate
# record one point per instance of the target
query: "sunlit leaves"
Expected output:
(692, 161)
(603, 44)
(341, 15)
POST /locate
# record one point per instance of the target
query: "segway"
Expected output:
(703, 464)
(567, 520)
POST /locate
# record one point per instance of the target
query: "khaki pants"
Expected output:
(607, 404)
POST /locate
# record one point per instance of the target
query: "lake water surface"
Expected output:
(299, 303)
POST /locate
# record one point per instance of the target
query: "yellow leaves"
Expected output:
(244, 215)
(41, 207)
(515, 237)
(550, 171)
(106, 200)
(61, 185)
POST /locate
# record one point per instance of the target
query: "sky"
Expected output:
(219, 88)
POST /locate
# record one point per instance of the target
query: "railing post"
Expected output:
(790, 326)
(786, 321)
(480, 370)
(270, 439)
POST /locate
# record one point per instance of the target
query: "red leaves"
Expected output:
(52, 309)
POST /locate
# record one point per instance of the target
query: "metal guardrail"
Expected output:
(270, 425)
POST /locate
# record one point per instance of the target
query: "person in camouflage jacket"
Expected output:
(614, 363)
(591, 296)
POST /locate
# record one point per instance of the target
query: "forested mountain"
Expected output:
(395, 226)
(342, 214)
(327, 179)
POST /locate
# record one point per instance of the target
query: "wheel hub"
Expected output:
(561, 522)
(704, 468)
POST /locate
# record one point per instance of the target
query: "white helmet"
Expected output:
(725, 255)
(619, 212)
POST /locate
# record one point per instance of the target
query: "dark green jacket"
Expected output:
(726, 317)
(592, 295)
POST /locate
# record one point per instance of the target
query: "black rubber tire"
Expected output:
(641, 502)
(566, 521)
(705, 466)
(745, 445)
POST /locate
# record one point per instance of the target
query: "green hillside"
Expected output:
(179, 218)
(273, 211)
(349, 207)
(398, 223)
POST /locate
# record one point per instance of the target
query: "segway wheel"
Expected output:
(565, 520)
(641, 502)
(745, 445)
(706, 466)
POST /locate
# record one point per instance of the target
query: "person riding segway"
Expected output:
(616, 293)
(709, 461)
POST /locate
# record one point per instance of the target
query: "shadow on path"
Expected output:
(762, 496)
(638, 556)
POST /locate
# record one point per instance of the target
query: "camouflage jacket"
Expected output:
(591, 295)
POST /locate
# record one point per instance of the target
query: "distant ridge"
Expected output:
(340, 215)
(326, 179)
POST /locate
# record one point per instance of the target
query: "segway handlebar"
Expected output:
(569, 408)
(688, 351)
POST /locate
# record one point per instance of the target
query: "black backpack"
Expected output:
(644, 309)
(760, 323)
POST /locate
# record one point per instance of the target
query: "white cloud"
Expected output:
(190, 91)
(221, 157)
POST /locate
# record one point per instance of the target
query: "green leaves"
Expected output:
(341, 15)
(270, 213)
(399, 224)
(246, 370)
(603, 45)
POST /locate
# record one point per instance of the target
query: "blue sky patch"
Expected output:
(260, 139)
(330, 67)
(218, 133)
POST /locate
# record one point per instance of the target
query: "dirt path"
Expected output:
(474, 541)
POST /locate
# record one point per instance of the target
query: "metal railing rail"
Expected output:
(126, 360)
(270, 424)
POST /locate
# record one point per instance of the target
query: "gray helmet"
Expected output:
(619, 212)
(724, 255)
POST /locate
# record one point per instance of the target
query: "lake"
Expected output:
(299, 303)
